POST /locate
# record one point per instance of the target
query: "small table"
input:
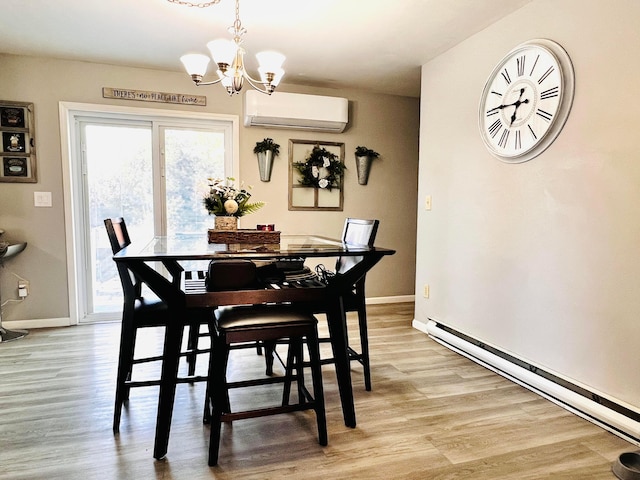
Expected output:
(180, 248)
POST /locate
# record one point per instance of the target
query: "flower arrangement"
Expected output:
(366, 152)
(320, 161)
(225, 199)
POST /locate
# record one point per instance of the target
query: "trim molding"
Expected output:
(396, 299)
(37, 323)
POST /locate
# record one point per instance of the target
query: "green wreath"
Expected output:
(311, 169)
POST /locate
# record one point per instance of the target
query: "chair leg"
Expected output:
(269, 348)
(206, 415)
(364, 347)
(295, 361)
(318, 390)
(218, 393)
(125, 365)
(286, 391)
(192, 346)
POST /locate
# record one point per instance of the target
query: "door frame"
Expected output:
(68, 111)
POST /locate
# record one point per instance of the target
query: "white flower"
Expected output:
(231, 206)
(326, 162)
(315, 172)
(323, 183)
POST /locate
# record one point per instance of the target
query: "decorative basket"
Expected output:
(253, 237)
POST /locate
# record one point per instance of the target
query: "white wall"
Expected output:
(540, 259)
(385, 123)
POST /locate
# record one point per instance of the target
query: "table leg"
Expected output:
(337, 330)
(172, 342)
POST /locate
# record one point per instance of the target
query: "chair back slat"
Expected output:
(356, 232)
(118, 234)
(119, 239)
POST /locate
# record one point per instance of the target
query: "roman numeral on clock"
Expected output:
(534, 65)
(504, 138)
(505, 75)
(517, 142)
(550, 93)
(545, 75)
(533, 134)
(495, 127)
(520, 63)
(545, 115)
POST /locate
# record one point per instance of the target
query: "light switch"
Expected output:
(42, 199)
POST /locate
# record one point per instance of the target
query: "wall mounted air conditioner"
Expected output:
(295, 111)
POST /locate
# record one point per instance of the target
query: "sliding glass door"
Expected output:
(153, 173)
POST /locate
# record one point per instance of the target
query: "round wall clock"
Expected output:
(526, 100)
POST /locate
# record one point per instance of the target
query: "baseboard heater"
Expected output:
(610, 415)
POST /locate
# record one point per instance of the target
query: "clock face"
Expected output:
(526, 101)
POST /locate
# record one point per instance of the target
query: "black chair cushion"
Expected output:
(261, 316)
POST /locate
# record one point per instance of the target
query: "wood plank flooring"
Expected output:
(432, 414)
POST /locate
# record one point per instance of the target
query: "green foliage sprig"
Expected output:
(265, 145)
(321, 169)
(366, 152)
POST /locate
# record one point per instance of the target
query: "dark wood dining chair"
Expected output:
(138, 312)
(356, 232)
(248, 324)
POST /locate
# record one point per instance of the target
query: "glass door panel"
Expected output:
(118, 171)
(190, 157)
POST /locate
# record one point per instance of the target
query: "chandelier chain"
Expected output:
(191, 4)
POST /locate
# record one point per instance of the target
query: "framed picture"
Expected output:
(316, 174)
(17, 169)
(13, 117)
(17, 144)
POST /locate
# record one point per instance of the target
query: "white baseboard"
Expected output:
(585, 407)
(397, 299)
(65, 322)
(37, 323)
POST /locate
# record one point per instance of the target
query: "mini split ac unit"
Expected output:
(295, 111)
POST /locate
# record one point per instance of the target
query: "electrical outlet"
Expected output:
(427, 202)
(426, 291)
(23, 288)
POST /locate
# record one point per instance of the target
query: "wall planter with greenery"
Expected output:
(266, 150)
(364, 157)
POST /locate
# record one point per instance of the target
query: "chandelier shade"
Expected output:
(228, 55)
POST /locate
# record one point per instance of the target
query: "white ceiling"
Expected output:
(377, 45)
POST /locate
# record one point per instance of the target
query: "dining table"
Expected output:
(165, 263)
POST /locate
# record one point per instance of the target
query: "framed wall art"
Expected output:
(17, 144)
(316, 174)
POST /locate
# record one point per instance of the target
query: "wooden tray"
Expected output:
(254, 237)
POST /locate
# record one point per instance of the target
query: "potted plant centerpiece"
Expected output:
(266, 150)
(228, 202)
(364, 157)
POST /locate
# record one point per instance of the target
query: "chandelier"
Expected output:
(229, 57)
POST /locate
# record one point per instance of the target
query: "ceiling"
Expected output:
(376, 45)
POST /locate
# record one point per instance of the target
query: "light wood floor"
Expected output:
(432, 414)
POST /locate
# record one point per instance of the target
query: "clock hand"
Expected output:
(517, 104)
(499, 107)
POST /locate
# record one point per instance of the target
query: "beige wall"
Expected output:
(388, 124)
(540, 258)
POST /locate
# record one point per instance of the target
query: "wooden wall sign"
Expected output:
(150, 96)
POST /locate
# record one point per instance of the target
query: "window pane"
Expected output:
(191, 157)
(119, 182)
